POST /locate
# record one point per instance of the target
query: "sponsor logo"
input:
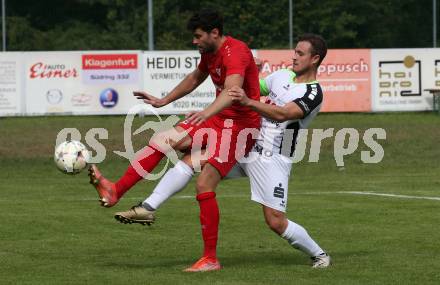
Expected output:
(108, 98)
(354, 67)
(400, 78)
(268, 67)
(46, 71)
(278, 191)
(171, 62)
(81, 99)
(109, 61)
(54, 96)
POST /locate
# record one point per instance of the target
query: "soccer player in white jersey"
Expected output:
(294, 98)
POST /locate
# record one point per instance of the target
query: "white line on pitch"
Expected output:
(390, 195)
(358, 193)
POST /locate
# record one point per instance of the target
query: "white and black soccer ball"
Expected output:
(71, 157)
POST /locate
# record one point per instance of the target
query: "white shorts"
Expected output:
(269, 178)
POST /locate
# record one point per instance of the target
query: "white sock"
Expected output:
(298, 237)
(174, 180)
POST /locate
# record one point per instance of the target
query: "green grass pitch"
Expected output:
(52, 230)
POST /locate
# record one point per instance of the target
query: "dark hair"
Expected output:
(206, 20)
(319, 46)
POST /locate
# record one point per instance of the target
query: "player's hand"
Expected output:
(196, 118)
(238, 95)
(149, 99)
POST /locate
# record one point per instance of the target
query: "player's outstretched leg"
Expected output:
(150, 156)
(137, 214)
(105, 188)
(296, 236)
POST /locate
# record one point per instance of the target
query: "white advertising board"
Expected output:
(111, 78)
(51, 79)
(102, 82)
(81, 82)
(165, 69)
(400, 77)
(11, 102)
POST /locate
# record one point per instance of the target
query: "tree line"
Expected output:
(123, 24)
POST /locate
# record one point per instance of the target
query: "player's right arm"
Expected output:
(297, 109)
(187, 85)
(290, 111)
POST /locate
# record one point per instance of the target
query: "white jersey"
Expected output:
(267, 166)
(281, 89)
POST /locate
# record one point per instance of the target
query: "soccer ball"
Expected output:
(71, 157)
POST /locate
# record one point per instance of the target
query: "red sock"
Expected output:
(209, 219)
(131, 177)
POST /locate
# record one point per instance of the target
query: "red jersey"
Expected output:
(234, 57)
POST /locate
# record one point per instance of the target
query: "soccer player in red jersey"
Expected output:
(229, 62)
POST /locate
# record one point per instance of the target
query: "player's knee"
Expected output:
(157, 139)
(187, 159)
(202, 186)
(162, 141)
(275, 225)
(208, 179)
(276, 222)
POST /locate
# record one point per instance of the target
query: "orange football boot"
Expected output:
(105, 188)
(205, 264)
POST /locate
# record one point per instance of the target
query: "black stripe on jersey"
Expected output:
(311, 99)
(292, 126)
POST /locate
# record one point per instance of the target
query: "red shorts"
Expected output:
(225, 140)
